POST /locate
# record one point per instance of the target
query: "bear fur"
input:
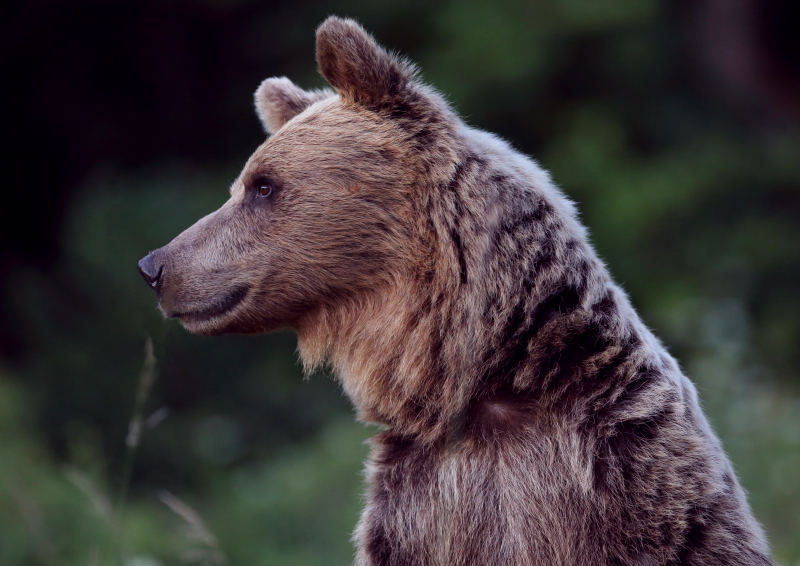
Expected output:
(530, 417)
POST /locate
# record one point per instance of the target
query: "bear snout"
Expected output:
(151, 270)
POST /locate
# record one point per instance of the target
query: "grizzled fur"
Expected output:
(530, 417)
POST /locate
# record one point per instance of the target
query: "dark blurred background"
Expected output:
(674, 124)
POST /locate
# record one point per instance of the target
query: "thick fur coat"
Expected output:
(530, 417)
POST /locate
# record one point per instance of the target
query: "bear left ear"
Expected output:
(278, 100)
(357, 67)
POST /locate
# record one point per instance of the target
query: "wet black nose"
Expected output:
(151, 270)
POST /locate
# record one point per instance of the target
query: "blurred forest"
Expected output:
(674, 124)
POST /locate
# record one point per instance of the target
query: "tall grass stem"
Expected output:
(146, 380)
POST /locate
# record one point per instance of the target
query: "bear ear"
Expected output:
(357, 67)
(278, 100)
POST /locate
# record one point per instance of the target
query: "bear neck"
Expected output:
(512, 309)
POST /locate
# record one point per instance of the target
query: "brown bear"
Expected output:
(530, 417)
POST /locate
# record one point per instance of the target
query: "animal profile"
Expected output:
(530, 418)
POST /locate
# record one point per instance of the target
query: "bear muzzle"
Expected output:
(197, 305)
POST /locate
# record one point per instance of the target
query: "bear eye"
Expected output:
(264, 187)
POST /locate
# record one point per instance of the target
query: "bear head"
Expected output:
(323, 210)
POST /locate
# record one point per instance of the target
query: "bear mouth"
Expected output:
(215, 309)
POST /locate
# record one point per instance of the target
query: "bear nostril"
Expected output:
(151, 271)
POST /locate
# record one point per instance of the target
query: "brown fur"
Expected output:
(531, 418)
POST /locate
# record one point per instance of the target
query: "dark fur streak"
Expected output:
(567, 362)
(606, 306)
(564, 301)
(693, 539)
(523, 220)
(462, 262)
(387, 154)
(519, 332)
(423, 137)
(455, 235)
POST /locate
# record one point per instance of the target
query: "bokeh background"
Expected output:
(674, 124)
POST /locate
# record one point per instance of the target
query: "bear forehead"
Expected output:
(333, 142)
(332, 120)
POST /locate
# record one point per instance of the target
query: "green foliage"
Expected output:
(298, 508)
(44, 518)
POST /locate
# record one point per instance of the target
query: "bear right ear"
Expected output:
(278, 100)
(357, 67)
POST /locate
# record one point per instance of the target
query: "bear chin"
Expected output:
(212, 318)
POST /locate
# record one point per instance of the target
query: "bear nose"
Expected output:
(151, 270)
